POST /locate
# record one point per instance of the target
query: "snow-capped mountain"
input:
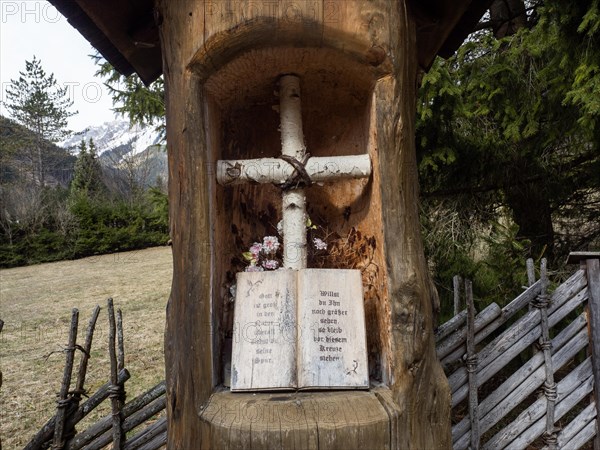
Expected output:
(134, 152)
(117, 134)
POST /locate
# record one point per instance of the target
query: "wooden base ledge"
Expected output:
(323, 420)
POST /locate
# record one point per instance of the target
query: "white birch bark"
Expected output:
(276, 170)
(294, 201)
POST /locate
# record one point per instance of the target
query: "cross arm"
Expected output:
(278, 171)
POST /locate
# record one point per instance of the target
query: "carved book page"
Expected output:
(332, 349)
(264, 347)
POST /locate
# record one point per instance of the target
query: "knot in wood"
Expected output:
(299, 177)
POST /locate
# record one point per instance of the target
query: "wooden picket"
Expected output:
(59, 432)
(473, 348)
(555, 329)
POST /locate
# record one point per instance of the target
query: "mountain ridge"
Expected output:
(117, 133)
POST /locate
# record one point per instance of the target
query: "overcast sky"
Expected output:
(32, 27)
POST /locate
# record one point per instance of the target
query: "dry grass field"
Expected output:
(36, 304)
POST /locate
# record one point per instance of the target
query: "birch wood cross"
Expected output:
(294, 170)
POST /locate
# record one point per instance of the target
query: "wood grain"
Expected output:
(523, 382)
(358, 69)
(593, 277)
(531, 423)
(297, 420)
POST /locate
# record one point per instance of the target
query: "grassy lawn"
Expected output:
(36, 304)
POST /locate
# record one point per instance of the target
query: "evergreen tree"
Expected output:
(36, 101)
(508, 144)
(87, 179)
(510, 123)
(142, 105)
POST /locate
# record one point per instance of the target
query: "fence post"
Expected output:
(530, 280)
(542, 302)
(472, 367)
(1, 326)
(456, 284)
(117, 393)
(530, 272)
(63, 401)
(593, 274)
(590, 262)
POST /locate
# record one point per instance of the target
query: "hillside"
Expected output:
(17, 157)
(118, 202)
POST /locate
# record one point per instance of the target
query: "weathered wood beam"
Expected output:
(530, 272)
(507, 312)
(117, 393)
(582, 257)
(575, 434)
(456, 281)
(449, 327)
(292, 146)
(129, 423)
(593, 278)
(63, 402)
(485, 317)
(277, 171)
(1, 326)
(120, 342)
(87, 348)
(546, 346)
(472, 368)
(159, 441)
(588, 261)
(567, 403)
(506, 346)
(85, 437)
(46, 432)
(523, 382)
(148, 434)
(531, 423)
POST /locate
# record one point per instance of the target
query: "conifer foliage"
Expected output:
(36, 101)
(508, 136)
(87, 178)
(62, 207)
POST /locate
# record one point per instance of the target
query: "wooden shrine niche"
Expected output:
(336, 115)
(295, 327)
(357, 62)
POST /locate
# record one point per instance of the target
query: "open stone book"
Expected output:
(299, 329)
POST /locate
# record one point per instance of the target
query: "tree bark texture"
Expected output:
(357, 62)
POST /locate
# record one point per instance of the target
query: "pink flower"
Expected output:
(270, 264)
(255, 249)
(319, 244)
(254, 268)
(270, 244)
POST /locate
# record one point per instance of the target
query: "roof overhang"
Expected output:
(125, 33)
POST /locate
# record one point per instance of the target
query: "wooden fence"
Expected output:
(547, 399)
(524, 374)
(60, 433)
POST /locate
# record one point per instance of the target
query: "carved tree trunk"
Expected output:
(358, 64)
